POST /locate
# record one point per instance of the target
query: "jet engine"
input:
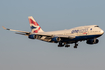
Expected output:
(33, 36)
(56, 39)
(92, 41)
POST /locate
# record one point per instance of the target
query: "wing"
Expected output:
(46, 36)
(18, 31)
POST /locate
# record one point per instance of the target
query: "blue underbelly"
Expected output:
(78, 38)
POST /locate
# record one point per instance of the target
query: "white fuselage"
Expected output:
(78, 31)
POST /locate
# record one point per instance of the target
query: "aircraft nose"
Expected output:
(102, 32)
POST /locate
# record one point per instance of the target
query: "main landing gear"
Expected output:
(60, 44)
(66, 45)
(75, 45)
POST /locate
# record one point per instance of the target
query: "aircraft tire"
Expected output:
(75, 46)
(67, 46)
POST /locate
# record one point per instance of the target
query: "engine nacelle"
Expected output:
(56, 39)
(92, 41)
(33, 36)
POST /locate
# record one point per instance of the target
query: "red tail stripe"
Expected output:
(38, 28)
(33, 22)
(36, 31)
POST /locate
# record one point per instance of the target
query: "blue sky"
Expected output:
(20, 53)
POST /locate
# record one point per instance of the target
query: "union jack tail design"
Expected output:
(35, 28)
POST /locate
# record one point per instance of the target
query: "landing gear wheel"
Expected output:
(75, 45)
(60, 44)
(67, 46)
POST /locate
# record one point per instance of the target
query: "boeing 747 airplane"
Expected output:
(89, 33)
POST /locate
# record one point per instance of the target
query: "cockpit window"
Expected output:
(96, 26)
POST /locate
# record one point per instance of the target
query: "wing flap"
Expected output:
(66, 36)
(22, 33)
(56, 35)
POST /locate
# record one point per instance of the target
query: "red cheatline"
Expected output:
(85, 33)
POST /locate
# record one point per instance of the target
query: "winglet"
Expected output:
(5, 28)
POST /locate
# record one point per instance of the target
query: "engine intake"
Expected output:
(33, 36)
(92, 41)
(56, 39)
